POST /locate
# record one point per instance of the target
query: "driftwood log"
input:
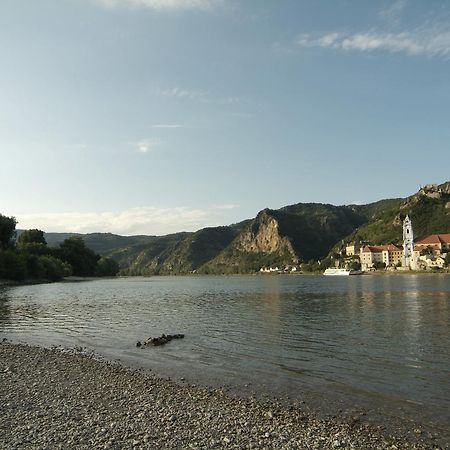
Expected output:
(161, 340)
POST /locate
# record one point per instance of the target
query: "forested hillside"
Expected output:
(287, 236)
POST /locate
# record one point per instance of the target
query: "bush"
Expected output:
(355, 265)
(54, 269)
(13, 266)
(107, 267)
(35, 268)
(82, 259)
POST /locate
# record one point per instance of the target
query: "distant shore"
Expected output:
(23, 283)
(29, 282)
(59, 400)
(73, 279)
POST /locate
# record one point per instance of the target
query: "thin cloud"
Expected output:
(227, 206)
(180, 93)
(141, 220)
(162, 5)
(197, 95)
(394, 12)
(146, 145)
(431, 41)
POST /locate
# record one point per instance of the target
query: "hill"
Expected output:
(282, 237)
(429, 210)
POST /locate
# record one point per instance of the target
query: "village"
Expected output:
(430, 252)
(424, 253)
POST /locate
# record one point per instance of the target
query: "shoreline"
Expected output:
(32, 282)
(73, 279)
(59, 399)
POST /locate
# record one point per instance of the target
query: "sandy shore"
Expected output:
(57, 400)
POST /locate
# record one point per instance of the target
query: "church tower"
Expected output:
(408, 243)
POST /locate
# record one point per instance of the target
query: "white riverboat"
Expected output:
(341, 272)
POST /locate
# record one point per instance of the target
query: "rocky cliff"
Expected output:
(263, 236)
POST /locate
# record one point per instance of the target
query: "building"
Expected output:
(391, 255)
(436, 243)
(370, 255)
(409, 257)
(408, 261)
(352, 248)
(269, 270)
(431, 262)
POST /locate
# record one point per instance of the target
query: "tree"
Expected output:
(32, 241)
(107, 267)
(426, 251)
(311, 266)
(45, 267)
(54, 268)
(379, 265)
(326, 263)
(354, 265)
(33, 236)
(7, 231)
(13, 265)
(82, 259)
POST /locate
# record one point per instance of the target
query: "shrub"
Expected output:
(13, 266)
(107, 267)
(54, 269)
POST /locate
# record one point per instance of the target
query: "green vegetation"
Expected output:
(447, 259)
(7, 232)
(428, 216)
(379, 265)
(82, 259)
(312, 267)
(107, 267)
(30, 258)
(233, 261)
(32, 241)
(310, 236)
(314, 228)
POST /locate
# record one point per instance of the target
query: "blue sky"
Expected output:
(156, 116)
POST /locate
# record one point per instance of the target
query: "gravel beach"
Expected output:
(50, 399)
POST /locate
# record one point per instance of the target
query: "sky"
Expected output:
(158, 116)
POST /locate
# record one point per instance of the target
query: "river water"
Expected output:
(370, 345)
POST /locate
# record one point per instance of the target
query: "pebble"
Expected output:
(71, 401)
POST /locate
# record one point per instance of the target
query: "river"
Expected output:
(375, 346)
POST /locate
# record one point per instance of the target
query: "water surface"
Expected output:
(377, 344)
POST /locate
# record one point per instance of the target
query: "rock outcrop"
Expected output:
(263, 236)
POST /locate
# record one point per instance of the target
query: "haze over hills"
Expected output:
(282, 237)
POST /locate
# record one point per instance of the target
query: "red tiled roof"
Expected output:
(433, 239)
(380, 248)
(393, 248)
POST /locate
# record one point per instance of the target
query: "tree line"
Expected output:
(29, 256)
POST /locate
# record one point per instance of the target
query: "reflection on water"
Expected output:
(379, 339)
(4, 306)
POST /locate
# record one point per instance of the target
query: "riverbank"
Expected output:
(30, 282)
(59, 400)
(12, 283)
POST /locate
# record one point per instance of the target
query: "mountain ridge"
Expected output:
(280, 237)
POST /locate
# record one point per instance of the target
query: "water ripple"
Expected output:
(374, 336)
